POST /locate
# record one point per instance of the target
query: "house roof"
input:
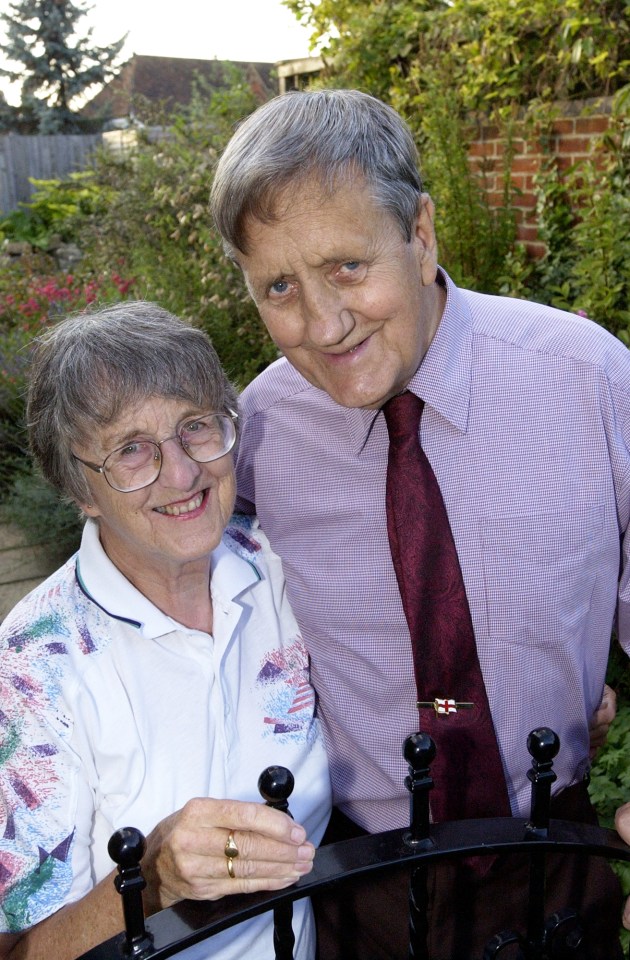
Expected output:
(168, 81)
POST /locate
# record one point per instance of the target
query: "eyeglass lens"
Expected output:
(138, 464)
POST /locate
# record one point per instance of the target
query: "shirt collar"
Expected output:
(106, 586)
(443, 379)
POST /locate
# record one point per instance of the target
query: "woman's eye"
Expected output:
(131, 450)
(203, 430)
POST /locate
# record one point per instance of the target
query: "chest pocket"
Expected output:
(540, 571)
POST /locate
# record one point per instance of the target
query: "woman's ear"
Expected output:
(89, 509)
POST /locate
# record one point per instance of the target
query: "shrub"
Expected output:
(584, 219)
(32, 505)
(474, 238)
(142, 224)
(54, 210)
(157, 228)
(32, 294)
(610, 776)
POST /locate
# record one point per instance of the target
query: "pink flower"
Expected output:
(123, 285)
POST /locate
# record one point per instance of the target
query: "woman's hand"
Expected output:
(185, 857)
(602, 719)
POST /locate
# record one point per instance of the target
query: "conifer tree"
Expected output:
(57, 62)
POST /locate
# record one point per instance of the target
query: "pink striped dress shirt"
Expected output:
(527, 427)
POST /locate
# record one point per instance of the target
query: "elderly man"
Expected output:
(477, 622)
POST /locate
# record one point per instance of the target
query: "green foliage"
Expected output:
(583, 217)
(157, 228)
(32, 505)
(496, 54)
(32, 293)
(610, 777)
(475, 238)
(55, 63)
(142, 223)
(13, 360)
(54, 210)
(371, 46)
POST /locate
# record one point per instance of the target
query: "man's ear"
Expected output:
(424, 233)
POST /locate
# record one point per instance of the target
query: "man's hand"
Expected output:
(186, 856)
(622, 823)
(602, 719)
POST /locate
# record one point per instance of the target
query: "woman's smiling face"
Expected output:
(176, 521)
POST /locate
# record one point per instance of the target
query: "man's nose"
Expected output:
(327, 318)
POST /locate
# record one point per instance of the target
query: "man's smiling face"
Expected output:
(350, 303)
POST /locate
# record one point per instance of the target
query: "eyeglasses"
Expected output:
(138, 464)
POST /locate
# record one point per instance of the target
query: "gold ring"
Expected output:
(231, 853)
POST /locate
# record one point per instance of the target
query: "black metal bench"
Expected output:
(167, 933)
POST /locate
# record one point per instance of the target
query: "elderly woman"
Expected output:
(160, 669)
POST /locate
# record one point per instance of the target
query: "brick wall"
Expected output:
(573, 135)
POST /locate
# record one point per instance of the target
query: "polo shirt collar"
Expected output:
(104, 584)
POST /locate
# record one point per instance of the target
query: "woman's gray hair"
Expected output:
(332, 136)
(87, 369)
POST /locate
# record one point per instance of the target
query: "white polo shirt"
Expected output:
(116, 715)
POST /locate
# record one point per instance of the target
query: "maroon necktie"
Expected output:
(467, 770)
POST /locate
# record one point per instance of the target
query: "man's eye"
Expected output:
(279, 288)
(351, 270)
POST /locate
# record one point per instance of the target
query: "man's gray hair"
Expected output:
(88, 369)
(335, 137)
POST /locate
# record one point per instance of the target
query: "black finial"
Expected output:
(419, 752)
(275, 785)
(126, 847)
(543, 745)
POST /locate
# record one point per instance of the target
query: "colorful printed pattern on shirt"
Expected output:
(35, 851)
(286, 695)
(240, 533)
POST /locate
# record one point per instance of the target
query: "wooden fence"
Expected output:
(41, 157)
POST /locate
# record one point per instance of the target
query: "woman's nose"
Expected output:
(177, 468)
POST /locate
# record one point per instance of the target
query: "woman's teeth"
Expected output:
(176, 509)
